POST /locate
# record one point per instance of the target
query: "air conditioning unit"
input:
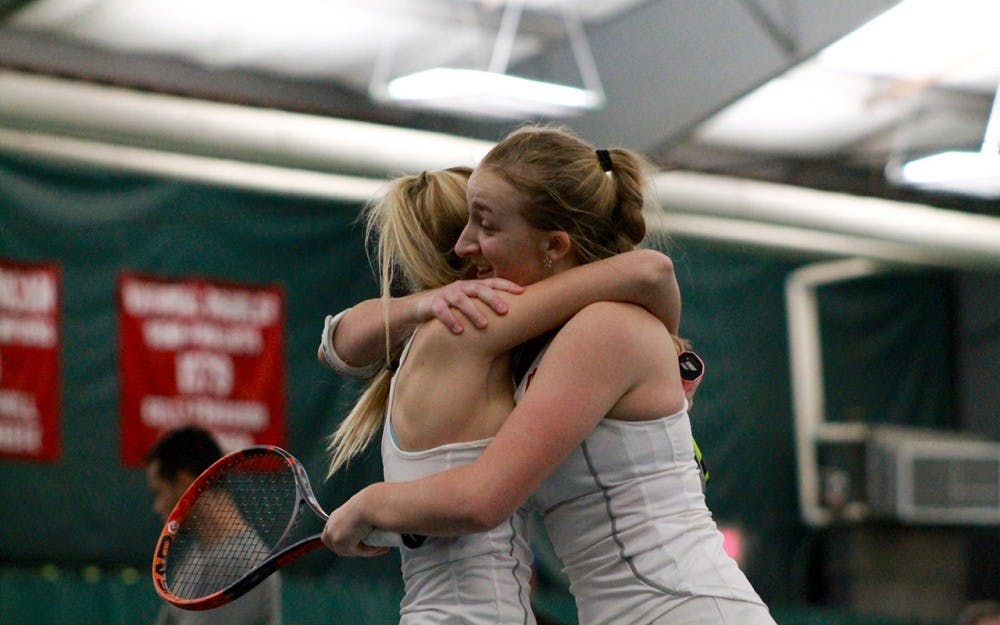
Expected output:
(925, 476)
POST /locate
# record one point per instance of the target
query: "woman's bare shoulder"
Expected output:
(612, 313)
(615, 327)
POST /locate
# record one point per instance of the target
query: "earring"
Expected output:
(547, 263)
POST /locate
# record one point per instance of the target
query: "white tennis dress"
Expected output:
(478, 579)
(627, 517)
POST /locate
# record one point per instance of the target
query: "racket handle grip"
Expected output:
(382, 538)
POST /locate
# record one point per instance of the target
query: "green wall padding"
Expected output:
(87, 508)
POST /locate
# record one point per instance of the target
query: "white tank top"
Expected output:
(477, 579)
(627, 517)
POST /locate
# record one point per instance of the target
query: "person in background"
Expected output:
(171, 465)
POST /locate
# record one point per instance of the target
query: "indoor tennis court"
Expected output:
(180, 192)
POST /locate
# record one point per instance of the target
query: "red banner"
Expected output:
(195, 352)
(29, 361)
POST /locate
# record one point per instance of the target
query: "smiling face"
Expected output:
(497, 239)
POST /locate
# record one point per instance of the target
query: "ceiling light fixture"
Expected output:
(961, 56)
(962, 172)
(495, 93)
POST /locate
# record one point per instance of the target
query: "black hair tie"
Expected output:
(605, 159)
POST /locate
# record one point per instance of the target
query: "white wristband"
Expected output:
(334, 361)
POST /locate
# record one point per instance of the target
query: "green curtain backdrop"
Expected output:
(887, 345)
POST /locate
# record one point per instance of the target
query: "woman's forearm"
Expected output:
(646, 278)
(417, 507)
(399, 507)
(421, 507)
(642, 277)
(659, 292)
(360, 337)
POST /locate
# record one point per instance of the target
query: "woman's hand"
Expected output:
(345, 531)
(441, 303)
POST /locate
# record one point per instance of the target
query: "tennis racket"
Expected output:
(237, 523)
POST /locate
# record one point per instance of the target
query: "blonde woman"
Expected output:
(443, 394)
(600, 440)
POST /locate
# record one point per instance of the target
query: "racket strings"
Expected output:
(240, 517)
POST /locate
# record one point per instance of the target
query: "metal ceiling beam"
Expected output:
(898, 232)
(300, 154)
(47, 54)
(228, 131)
(217, 171)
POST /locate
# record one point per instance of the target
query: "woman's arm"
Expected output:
(329, 356)
(642, 277)
(355, 338)
(595, 354)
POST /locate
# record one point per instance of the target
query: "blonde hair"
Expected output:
(566, 187)
(414, 227)
(680, 344)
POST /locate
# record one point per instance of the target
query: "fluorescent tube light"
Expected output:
(491, 94)
(968, 173)
(953, 41)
